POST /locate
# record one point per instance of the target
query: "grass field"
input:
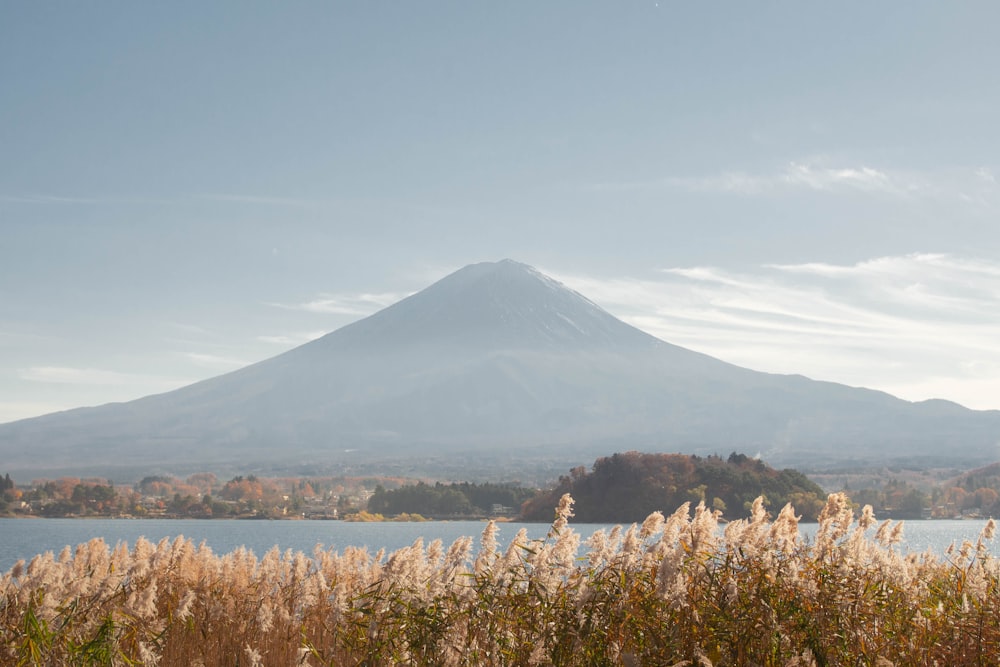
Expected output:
(676, 590)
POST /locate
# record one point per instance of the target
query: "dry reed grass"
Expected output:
(674, 591)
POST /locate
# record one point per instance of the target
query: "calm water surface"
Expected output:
(24, 538)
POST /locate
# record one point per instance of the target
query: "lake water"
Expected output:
(24, 538)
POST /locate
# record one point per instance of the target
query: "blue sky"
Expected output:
(188, 187)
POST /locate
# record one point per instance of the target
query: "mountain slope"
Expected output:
(495, 361)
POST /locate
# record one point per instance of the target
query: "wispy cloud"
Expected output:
(345, 304)
(292, 338)
(64, 199)
(188, 328)
(919, 326)
(98, 377)
(263, 199)
(816, 177)
(216, 360)
(824, 175)
(14, 410)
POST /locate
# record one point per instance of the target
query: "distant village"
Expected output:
(201, 496)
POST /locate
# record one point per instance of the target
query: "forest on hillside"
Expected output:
(975, 493)
(629, 486)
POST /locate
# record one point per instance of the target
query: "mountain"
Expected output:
(495, 366)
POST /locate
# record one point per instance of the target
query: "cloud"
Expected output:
(934, 284)
(62, 199)
(345, 304)
(14, 410)
(862, 178)
(986, 174)
(215, 360)
(823, 175)
(804, 176)
(920, 326)
(189, 328)
(89, 386)
(292, 338)
(97, 377)
(269, 201)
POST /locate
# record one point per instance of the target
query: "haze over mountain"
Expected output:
(494, 365)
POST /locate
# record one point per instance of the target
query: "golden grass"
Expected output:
(673, 591)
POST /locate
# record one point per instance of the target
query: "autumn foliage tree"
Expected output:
(629, 486)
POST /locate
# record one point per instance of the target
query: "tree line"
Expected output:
(448, 500)
(200, 495)
(624, 487)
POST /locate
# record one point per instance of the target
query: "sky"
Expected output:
(187, 187)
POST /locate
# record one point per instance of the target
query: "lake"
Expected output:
(24, 538)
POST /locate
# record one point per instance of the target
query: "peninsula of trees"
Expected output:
(628, 487)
